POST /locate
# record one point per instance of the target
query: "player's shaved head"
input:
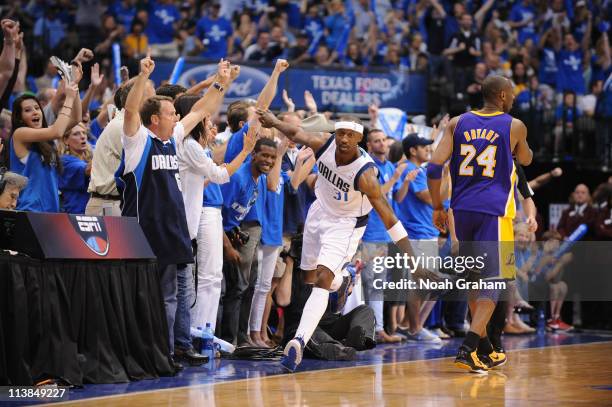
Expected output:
(492, 86)
(497, 91)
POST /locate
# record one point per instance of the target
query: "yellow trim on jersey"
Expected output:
(487, 114)
(507, 266)
(510, 211)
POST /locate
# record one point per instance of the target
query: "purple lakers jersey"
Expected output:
(482, 170)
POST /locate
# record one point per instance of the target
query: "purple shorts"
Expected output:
(490, 239)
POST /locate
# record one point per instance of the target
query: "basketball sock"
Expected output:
(471, 341)
(313, 312)
(497, 323)
(484, 346)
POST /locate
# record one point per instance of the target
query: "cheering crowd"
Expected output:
(557, 53)
(225, 219)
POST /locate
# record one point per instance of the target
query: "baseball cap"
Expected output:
(413, 140)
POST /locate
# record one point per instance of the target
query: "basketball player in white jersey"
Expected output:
(347, 188)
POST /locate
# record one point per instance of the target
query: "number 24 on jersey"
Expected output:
(486, 159)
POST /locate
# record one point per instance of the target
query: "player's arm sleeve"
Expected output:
(522, 183)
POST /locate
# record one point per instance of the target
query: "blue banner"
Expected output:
(334, 90)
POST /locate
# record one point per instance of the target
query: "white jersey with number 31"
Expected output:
(337, 187)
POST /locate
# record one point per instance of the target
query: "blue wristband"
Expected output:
(434, 171)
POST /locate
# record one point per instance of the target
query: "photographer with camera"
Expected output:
(338, 336)
(239, 196)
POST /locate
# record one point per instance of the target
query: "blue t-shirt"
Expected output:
(95, 130)
(569, 76)
(123, 15)
(376, 232)
(41, 192)
(528, 99)
(52, 30)
(235, 144)
(73, 183)
(239, 196)
(522, 256)
(416, 215)
(217, 32)
(213, 196)
(307, 195)
(256, 212)
(579, 31)
(604, 105)
(296, 202)
(569, 113)
(212, 192)
(548, 66)
(520, 13)
(160, 29)
(294, 16)
(272, 213)
(335, 24)
(598, 73)
(313, 27)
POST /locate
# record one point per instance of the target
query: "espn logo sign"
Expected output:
(88, 224)
(92, 231)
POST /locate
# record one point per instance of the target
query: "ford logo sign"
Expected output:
(247, 86)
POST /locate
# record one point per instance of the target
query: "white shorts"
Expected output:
(328, 240)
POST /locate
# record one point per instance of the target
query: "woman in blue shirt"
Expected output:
(76, 163)
(33, 153)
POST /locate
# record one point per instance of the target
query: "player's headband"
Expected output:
(349, 126)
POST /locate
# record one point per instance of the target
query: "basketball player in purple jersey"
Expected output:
(480, 146)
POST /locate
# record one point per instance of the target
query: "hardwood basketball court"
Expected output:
(576, 371)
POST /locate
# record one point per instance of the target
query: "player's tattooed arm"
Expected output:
(370, 187)
(294, 133)
(518, 132)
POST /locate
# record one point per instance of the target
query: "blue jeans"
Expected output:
(177, 290)
(182, 324)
